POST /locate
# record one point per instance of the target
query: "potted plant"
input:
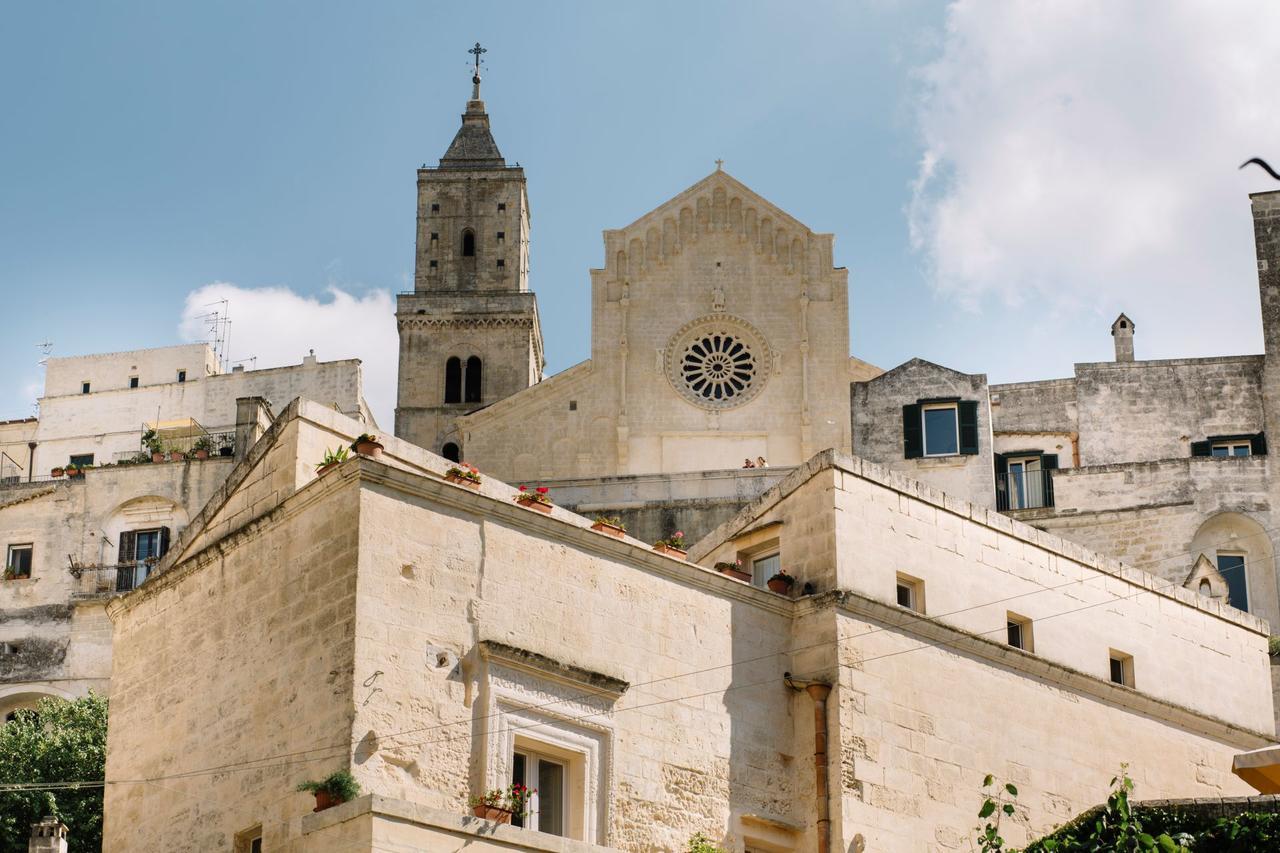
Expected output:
(537, 499)
(673, 545)
(781, 582)
(56, 472)
(332, 459)
(367, 445)
(610, 524)
(500, 805)
(202, 447)
(151, 441)
(10, 574)
(734, 570)
(72, 471)
(463, 474)
(332, 790)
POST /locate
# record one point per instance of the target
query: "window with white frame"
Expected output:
(910, 593)
(1121, 668)
(764, 567)
(1019, 631)
(1230, 448)
(940, 423)
(18, 561)
(555, 777)
(1231, 565)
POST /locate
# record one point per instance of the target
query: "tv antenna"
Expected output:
(218, 332)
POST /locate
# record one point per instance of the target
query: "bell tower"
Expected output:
(469, 333)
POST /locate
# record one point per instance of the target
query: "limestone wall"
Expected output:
(243, 653)
(1035, 406)
(878, 432)
(109, 371)
(1148, 410)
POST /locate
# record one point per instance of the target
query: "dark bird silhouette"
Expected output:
(1263, 163)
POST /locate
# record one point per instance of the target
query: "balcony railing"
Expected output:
(215, 444)
(127, 576)
(1024, 490)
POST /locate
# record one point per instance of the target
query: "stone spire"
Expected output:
(473, 146)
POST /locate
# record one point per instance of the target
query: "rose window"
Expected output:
(718, 362)
(718, 367)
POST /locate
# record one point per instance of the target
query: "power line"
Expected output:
(257, 763)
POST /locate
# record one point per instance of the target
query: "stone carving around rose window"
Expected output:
(718, 361)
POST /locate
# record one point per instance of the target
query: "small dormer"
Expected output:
(1122, 331)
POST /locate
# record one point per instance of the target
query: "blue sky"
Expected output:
(1001, 181)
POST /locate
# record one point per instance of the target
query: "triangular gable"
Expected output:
(920, 363)
(1205, 570)
(706, 188)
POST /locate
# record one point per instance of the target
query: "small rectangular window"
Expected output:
(764, 567)
(18, 563)
(80, 460)
(910, 593)
(249, 841)
(941, 429)
(435, 236)
(548, 777)
(432, 265)
(1121, 668)
(501, 263)
(133, 382)
(573, 405)
(1019, 631)
(1230, 448)
(435, 208)
(182, 376)
(1232, 568)
(502, 205)
(502, 236)
(84, 387)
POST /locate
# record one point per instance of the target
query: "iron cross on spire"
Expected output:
(476, 51)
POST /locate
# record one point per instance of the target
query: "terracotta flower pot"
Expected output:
(492, 813)
(324, 469)
(325, 800)
(611, 529)
(458, 480)
(736, 574)
(175, 456)
(779, 586)
(538, 505)
(74, 472)
(56, 472)
(157, 456)
(371, 449)
(674, 552)
(202, 454)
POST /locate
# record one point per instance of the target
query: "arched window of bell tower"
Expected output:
(474, 380)
(453, 380)
(451, 452)
(468, 243)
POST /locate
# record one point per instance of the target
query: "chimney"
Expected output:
(48, 836)
(1122, 331)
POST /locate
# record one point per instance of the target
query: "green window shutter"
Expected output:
(1201, 448)
(1002, 482)
(1048, 462)
(968, 411)
(128, 546)
(1258, 444)
(164, 541)
(912, 432)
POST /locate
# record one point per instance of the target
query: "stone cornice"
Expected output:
(525, 321)
(937, 634)
(545, 667)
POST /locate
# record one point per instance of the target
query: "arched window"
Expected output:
(453, 380)
(473, 380)
(468, 243)
(1206, 588)
(451, 452)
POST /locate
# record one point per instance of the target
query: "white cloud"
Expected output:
(279, 326)
(1081, 157)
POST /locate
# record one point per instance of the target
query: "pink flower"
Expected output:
(679, 534)
(542, 490)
